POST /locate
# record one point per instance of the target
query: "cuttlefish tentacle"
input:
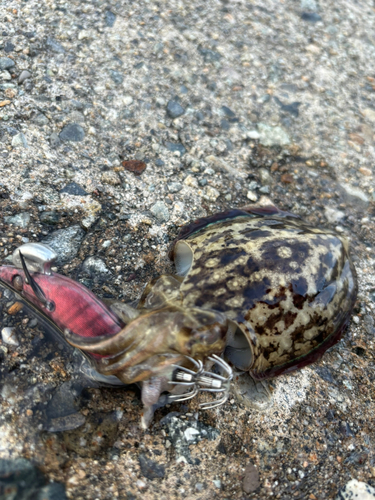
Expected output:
(175, 330)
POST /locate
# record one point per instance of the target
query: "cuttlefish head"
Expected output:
(155, 340)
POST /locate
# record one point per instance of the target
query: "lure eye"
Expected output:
(18, 283)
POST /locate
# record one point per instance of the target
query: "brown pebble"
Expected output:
(365, 171)
(29, 413)
(131, 277)
(135, 166)
(274, 166)
(4, 103)
(250, 481)
(356, 138)
(287, 178)
(15, 308)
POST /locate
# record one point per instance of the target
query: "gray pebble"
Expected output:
(333, 216)
(160, 211)
(209, 55)
(354, 195)
(55, 46)
(94, 266)
(6, 63)
(20, 220)
(174, 109)
(173, 147)
(174, 187)
(309, 5)
(19, 140)
(66, 243)
(272, 136)
(50, 217)
(74, 189)
(250, 481)
(265, 177)
(9, 47)
(72, 132)
(150, 468)
(227, 112)
(24, 76)
(110, 18)
(54, 140)
(41, 120)
(116, 76)
(311, 17)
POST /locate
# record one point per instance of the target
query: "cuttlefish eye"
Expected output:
(17, 283)
(183, 258)
(238, 351)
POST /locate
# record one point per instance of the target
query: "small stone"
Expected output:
(74, 189)
(127, 100)
(365, 171)
(9, 47)
(287, 178)
(354, 195)
(253, 134)
(8, 334)
(309, 5)
(19, 140)
(95, 266)
(66, 243)
(10, 93)
(23, 76)
(174, 109)
(175, 147)
(209, 55)
(369, 113)
(135, 166)
(227, 112)
(212, 193)
(110, 18)
(50, 217)
(15, 308)
(250, 481)
(160, 211)
(272, 136)
(356, 489)
(4, 103)
(55, 46)
(311, 17)
(333, 216)
(72, 132)
(20, 220)
(151, 469)
(265, 177)
(5, 75)
(191, 181)
(6, 63)
(54, 140)
(116, 76)
(41, 120)
(251, 196)
(87, 222)
(111, 178)
(174, 187)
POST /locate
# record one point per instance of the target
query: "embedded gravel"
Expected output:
(220, 103)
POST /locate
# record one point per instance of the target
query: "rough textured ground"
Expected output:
(224, 102)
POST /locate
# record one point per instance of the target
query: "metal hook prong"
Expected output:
(185, 376)
(183, 397)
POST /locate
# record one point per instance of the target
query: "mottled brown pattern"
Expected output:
(290, 287)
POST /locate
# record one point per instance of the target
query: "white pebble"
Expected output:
(252, 196)
(127, 100)
(8, 334)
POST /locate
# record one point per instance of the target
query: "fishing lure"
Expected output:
(257, 290)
